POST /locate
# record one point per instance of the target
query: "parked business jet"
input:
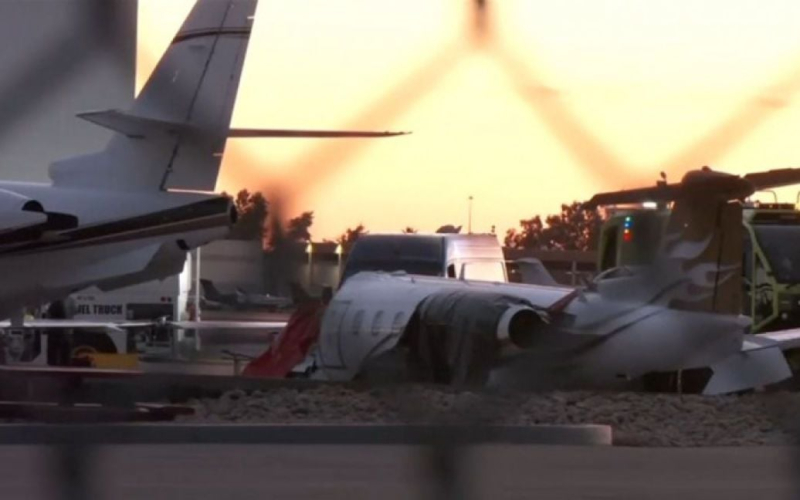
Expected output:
(130, 213)
(241, 300)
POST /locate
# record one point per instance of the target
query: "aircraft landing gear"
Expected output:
(691, 381)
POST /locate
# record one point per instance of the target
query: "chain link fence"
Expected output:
(452, 419)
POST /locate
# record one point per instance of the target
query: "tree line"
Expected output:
(572, 229)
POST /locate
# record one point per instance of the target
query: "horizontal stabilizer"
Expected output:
(140, 127)
(135, 127)
(287, 133)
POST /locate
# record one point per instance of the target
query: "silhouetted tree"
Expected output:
(449, 228)
(350, 236)
(298, 228)
(252, 208)
(573, 229)
(529, 235)
(409, 230)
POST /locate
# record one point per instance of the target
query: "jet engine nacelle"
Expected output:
(519, 325)
(507, 319)
(24, 219)
(461, 334)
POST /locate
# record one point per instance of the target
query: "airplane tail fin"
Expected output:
(698, 265)
(175, 133)
(704, 238)
(210, 291)
(534, 272)
(299, 294)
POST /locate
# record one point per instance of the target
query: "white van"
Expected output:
(465, 256)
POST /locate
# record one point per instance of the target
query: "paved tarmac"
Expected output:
(204, 472)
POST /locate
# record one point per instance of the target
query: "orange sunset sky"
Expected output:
(549, 102)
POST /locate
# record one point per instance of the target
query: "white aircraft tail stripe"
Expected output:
(175, 133)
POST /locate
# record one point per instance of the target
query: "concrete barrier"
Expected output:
(304, 434)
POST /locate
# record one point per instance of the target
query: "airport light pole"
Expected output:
(469, 214)
(339, 251)
(197, 285)
(310, 252)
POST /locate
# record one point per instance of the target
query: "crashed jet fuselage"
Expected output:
(474, 331)
(680, 312)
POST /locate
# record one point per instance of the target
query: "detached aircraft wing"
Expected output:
(782, 339)
(761, 362)
(228, 325)
(43, 324)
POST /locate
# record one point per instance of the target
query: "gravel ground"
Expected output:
(637, 419)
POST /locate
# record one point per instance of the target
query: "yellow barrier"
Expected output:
(120, 361)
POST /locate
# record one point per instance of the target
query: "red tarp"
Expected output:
(292, 344)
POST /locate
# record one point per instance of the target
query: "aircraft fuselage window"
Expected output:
(398, 322)
(376, 324)
(358, 318)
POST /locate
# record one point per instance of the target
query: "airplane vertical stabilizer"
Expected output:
(698, 266)
(712, 226)
(175, 133)
(704, 238)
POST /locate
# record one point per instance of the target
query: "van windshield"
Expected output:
(422, 267)
(414, 255)
(781, 246)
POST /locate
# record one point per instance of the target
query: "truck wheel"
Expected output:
(86, 343)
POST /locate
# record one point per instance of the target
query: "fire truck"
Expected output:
(770, 258)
